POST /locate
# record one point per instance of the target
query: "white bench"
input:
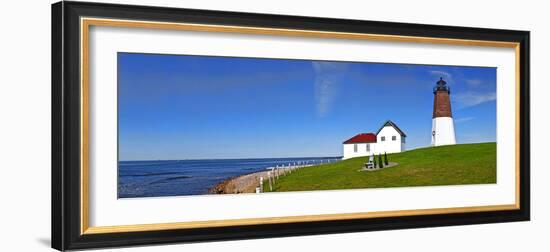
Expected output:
(370, 165)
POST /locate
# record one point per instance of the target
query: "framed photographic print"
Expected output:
(180, 125)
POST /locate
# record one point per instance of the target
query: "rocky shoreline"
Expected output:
(241, 184)
(247, 183)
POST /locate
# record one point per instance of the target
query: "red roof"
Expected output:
(362, 138)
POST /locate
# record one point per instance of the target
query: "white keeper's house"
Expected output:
(388, 139)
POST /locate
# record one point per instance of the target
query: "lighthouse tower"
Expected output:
(443, 129)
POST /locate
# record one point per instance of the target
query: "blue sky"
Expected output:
(196, 107)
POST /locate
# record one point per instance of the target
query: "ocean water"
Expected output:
(191, 177)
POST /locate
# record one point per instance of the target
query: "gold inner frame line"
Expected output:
(85, 24)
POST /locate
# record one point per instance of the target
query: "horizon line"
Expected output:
(191, 159)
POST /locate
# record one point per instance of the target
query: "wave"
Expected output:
(149, 174)
(170, 179)
(145, 163)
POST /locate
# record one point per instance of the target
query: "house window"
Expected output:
(403, 140)
(393, 138)
(383, 139)
(355, 148)
(368, 147)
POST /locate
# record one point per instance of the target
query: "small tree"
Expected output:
(385, 159)
(380, 163)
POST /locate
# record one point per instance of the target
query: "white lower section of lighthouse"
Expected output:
(443, 131)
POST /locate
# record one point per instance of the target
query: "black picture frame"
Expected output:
(66, 155)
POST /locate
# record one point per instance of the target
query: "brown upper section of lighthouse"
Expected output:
(442, 100)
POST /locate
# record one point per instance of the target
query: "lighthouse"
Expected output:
(443, 129)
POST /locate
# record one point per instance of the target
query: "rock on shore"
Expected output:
(241, 184)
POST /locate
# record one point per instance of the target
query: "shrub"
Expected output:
(385, 159)
(380, 163)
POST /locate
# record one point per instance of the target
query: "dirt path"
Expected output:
(390, 164)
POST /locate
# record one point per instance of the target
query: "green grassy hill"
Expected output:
(444, 165)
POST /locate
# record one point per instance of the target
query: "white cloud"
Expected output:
(474, 82)
(328, 67)
(328, 77)
(464, 119)
(446, 76)
(472, 98)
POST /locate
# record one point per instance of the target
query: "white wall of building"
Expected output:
(362, 150)
(443, 131)
(389, 144)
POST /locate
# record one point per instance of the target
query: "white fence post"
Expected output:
(261, 184)
(269, 176)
